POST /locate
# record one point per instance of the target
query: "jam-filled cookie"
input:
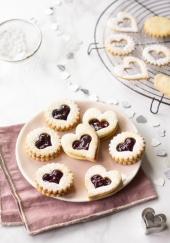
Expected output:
(63, 115)
(127, 148)
(83, 144)
(43, 144)
(105, 124)
(100, 182)
(54, 179)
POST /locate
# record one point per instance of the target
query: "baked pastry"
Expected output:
(156, 54)
(157, 26)
(119, 44)
(43, 144)
(54, 179)
(83, 144)
(129, 69)
(105, 124)
(127, 148)
(62, 115)
(100, 183)
(162, 83)
(123, 22)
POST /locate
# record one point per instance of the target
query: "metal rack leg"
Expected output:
(93, 46)
(158, 105)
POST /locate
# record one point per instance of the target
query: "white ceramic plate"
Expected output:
(28, 167)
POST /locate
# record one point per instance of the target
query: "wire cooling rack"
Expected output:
(140, 9)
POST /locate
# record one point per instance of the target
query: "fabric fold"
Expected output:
(22, 204)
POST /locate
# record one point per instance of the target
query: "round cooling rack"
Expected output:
(140, 9)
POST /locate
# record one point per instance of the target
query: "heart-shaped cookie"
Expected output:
(127, 148)
(123, 22)
(153, 222)
(43, 144)
(54, 179)
(105, 124)
(120, 44)
(83, 145)
(132, 68)
(100, 182)
(62, 115)
(156, 54)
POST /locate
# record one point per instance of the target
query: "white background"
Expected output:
(27, 87)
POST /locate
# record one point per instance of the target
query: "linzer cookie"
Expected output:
(43, 144)
(162, 83)
(132, 68)
(63, 115)
(157, 26)
(105, 124)
(156, 54)
(100, 183)
(120, 44)
(83, 144)
(54, 179)
(123, 22)
(127, 148)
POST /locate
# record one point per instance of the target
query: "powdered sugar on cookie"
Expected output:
(120, 44)
(127, 148)
(156, 54)
(131, 63)
(62, 115)
(123, 22)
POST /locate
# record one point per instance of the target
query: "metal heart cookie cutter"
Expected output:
(153, 222)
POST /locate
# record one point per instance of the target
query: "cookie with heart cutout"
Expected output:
(105, 124)
(123, 22)
(43, 144)
(83, 144)
(100, 183)
(162, 83)
(157, 26)
(156, 54)
(127, 148)
(132, 68)
(62, 115)
(119, 44)
(54, 179)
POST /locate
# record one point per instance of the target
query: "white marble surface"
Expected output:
(29, 86)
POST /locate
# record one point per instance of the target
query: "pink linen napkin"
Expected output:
(22, 204)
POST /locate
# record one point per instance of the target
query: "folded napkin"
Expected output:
(22, 204)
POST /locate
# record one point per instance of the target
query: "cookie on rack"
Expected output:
(157, 26)
(127, 148)
(43, 144)
(81, 145)
(162, 83)
(100, 183)
(131, 68)
(123, 22)
(156, 54)
(119, 44)
(62, 115)
(54, 179)
(105, 124)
